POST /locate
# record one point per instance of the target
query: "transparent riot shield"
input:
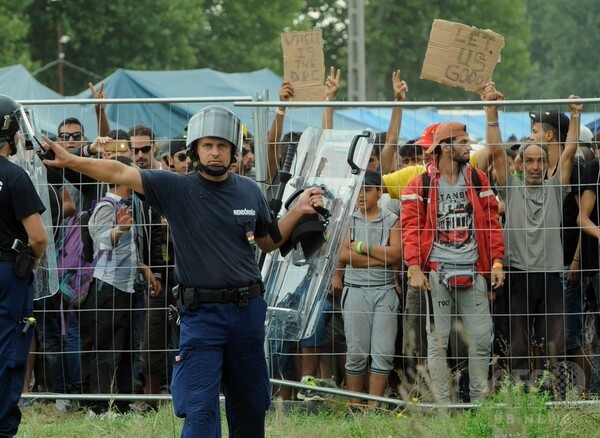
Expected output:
(297, 282)
(46, 276)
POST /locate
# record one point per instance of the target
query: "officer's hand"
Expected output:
(310, 199)
(62, 158)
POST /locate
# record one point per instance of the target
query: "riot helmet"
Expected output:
(214, 121)
(9, 121)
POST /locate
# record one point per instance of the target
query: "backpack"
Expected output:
(76, 259)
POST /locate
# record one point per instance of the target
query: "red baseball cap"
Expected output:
(426, 139)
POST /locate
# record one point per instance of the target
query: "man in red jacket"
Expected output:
(452, 240)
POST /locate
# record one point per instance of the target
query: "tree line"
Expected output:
(550, 46)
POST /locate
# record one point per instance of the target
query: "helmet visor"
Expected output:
(27, 125)
(215, 121)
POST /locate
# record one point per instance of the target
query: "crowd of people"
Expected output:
(461, 268)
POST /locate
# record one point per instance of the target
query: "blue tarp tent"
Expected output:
(18, 83)
(169, 120)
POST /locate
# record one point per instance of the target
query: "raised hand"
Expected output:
(400, 86)
(332, 84)
(124, 218)
(98, 94)
(490, 92)
(575, 108)
(286, 91)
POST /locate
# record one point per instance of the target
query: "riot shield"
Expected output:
(46, 276)
(298, 278)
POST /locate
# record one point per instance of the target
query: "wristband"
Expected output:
(493, 123)
(330, 99)
(497, 265)
(575, 259)
(280, 112)
(358, 245)
(575, 116)
(369, 248)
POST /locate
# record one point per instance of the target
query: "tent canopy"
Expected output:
(18, 83)
(169, 119)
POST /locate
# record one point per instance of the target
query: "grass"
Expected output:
(510, 413)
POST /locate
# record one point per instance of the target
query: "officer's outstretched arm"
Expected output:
(109, 171)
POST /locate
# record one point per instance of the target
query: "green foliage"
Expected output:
(398, 33)
(565, 44)
(545, 54)
(104, 36)
(240, 36)
(512, 412)
(13, 34)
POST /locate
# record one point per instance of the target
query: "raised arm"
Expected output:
(492, 133)
(332, 86)
(103, 124)
(565, 162)
(286, 92)
(391, 140)
(109, 171)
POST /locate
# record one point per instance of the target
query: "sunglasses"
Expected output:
(64, 136)
(181, 157)
(143, 150)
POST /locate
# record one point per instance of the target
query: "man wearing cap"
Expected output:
(452, 241)
(532, 232)
(551, 127)
(178, 158)
(394, 182)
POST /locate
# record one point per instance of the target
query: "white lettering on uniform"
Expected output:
(244, 212)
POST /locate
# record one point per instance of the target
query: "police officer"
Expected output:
(23, 240)
(217, 220)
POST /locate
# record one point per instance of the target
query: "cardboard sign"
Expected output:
(304, 64)
(461, 56)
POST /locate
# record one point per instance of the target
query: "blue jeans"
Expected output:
(574, 336)
(57, 333)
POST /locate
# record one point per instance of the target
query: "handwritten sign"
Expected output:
(461, 56)
(304, 64)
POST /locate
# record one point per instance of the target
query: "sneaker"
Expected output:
(140, 407)
(110, 415)
(63, 406)
(308, 394)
